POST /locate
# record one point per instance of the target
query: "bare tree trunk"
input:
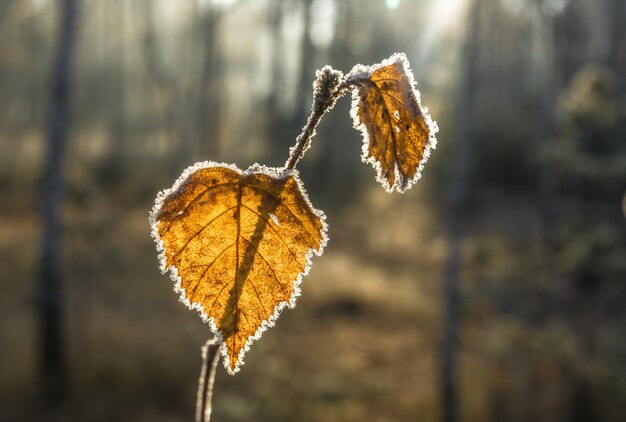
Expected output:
(151, 48)
(307, 73)
(456, 208)
(278, 123)
(544, 81)
(275, 20)
(617, 55)
(51, 295)
(116, 24)
(283, 127)
(5, 6)
(210, 88)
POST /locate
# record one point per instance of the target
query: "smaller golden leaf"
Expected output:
(237, 243)
(398, 133)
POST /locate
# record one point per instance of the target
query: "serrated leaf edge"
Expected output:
(360, 70)
(280, 173)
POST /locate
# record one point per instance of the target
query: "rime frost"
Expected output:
(327, 81)
(279, 173)
(361, 72)
(274, 219)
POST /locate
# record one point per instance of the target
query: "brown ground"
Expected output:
(360, 345)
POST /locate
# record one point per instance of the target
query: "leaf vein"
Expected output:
(286, 207)
(275, 231)
(207, 269)
(268, 266)
(200, 231)
(195, 199)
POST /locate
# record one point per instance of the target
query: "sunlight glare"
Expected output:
(444, 14)
(40, 4)
(392, 4)
(323, 17)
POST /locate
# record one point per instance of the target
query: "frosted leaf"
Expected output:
(396, 149)
(226, 259)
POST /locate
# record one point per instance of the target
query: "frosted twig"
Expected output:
(210, 357)
(328, 87)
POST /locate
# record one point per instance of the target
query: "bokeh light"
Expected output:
(392, 4)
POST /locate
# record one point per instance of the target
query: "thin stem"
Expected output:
(328, 87)
(303, 140)
(210, 357)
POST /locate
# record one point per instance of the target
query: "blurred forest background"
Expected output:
(493, 290)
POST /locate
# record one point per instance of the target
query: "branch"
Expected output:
(328, 87)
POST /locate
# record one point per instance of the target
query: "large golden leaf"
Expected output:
(237, 244)
(398, 133)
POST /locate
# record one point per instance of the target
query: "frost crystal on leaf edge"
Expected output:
(360, 71)
(278, 173)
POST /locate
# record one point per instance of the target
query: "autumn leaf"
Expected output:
(237, 244)
(398, 133)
